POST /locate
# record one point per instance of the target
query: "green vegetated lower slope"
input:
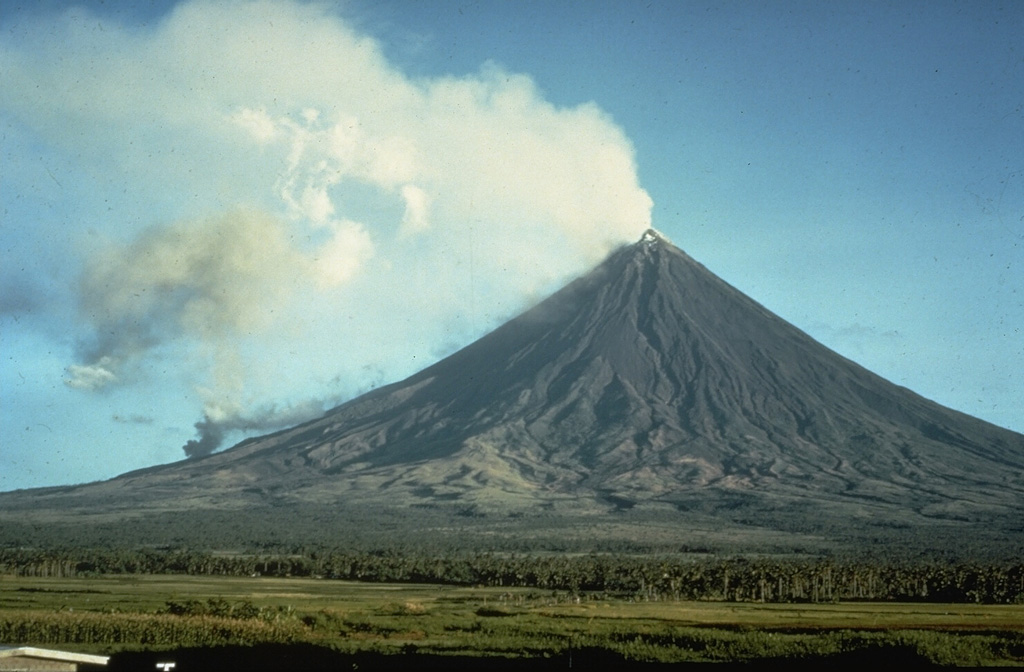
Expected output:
(704, 527)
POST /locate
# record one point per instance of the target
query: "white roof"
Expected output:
(51, 654)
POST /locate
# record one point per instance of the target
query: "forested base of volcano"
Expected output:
(618, 528)
(763, 579)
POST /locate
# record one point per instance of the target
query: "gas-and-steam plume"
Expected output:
(367, 217)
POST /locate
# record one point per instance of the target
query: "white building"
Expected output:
(31, 659)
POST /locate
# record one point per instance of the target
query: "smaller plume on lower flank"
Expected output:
(219, 421)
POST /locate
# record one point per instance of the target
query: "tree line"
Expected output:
(761, 579)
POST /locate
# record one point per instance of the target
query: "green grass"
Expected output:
(110, 614)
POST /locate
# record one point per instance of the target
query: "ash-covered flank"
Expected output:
(647, 382)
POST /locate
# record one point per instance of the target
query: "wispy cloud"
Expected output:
(134, 419)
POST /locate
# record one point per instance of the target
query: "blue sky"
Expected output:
(238, 214)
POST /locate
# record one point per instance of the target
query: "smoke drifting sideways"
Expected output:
(218, 422)
(208, 279)
(319, 196)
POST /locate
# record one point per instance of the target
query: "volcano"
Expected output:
(647, 387)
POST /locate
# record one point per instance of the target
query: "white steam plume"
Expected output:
(366, 217)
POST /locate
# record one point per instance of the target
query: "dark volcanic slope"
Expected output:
(647, 380)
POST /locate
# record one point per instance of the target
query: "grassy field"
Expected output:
(160, 613)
